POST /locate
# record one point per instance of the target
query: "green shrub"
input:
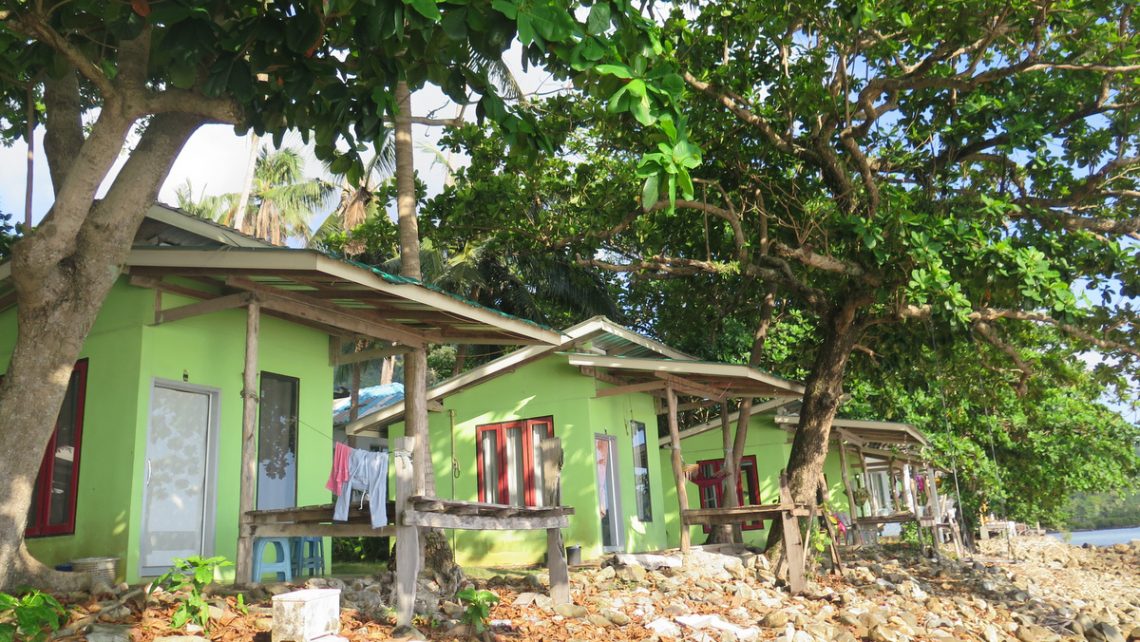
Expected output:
(190, 576)
(478, 610)
(33, 617)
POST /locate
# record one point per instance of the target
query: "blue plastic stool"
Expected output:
(308, 555)
(283, 565)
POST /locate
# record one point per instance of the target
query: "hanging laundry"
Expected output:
(367, 472)
(339, 473)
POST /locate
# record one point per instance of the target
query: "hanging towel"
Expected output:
(368, 472)
(339, 473)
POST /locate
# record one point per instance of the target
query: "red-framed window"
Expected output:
(53, 498)
(510, 461)
(710, 486)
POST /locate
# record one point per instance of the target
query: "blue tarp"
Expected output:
(372, 398)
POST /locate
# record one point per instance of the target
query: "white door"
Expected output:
(609, 495)
(178, 502)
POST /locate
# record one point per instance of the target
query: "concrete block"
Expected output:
(304, 616)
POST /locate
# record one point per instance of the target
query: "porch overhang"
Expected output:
(340, 297)
(871, 435)
(701, 379)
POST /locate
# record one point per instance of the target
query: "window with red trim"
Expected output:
(710, 486)
(510, 461)
(53, 497)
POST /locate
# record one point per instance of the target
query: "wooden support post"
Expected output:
(850, 493)
(793, 544)
(895, 502)
(552, 496)
(247, 499)
(416, 419)
(407, 537)
(678, 466)
(867, 482)
(731, 472)
(935, 512)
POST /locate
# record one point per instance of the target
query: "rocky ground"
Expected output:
(1047, 591)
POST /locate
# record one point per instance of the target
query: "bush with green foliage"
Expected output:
(190, 576)
(33, 616)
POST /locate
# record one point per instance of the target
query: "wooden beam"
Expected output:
(408, 553)
(678, 465)
(322, 312)
(247, 498)
(604, 377)
(630, 388)
(793, 543)
(692, 405)
(481, 339)
(372, 354)
(850, 492)
(322, 530)
(153, 283)
(483, 522)
(692, 387)
(552, 496)
(207, 306)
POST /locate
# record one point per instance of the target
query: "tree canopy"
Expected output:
(887, 172)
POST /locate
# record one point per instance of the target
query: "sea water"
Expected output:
(1106, 537)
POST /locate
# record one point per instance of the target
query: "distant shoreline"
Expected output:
(1094, 530)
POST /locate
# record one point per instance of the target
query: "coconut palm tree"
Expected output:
(215, 207)
(281, 199)
(359, 202)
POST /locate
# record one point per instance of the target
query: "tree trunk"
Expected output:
(735, 453)
(62, 273)
(440, 563)
(387, 367)
(240, 222)
(823, 392)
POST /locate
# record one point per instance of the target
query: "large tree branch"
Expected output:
(987, 332)
(810, 258)
(63, 129)
(133, 60)
(35, 25)
(729, 214)
(54, 239)
(990, 314)
(1069, 221)
(218, 110)
(993, 314)
(746, 115)
(114, 220)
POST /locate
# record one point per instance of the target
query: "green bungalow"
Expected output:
(867, 449)
(146, 463)
(600, 392)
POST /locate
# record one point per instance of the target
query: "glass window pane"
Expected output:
(489, 452)
(277, 442)
(538, 432)
(749, 481)
(63, 458)
(641, 472)
(516, 480)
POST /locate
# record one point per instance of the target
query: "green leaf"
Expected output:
(182, 74)
(650, 191)
(426, 8)
(599, 19)
(506, 7)
(621, 71)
